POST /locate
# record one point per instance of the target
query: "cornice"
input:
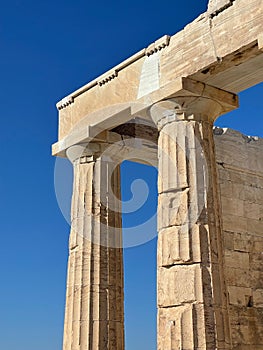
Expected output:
(158, 45)
(65, 102)
(107, 77)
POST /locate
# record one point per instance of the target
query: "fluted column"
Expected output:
(192, 297)
(94, 317)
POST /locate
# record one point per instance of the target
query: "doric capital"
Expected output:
(84, 152)
(91, 151)
(193, 101)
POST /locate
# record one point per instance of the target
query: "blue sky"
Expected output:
(49, 49)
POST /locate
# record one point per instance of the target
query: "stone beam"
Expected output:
(188, 88)
(223, 50)
(135, 140)
(95, 127)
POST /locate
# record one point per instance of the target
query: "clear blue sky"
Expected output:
(49, 49)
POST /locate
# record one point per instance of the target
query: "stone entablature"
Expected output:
(213, 50)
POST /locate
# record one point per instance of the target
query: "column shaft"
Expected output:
(192, 304)
(94, 301)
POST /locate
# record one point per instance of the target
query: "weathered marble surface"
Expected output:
(240, 167)
(210, 245)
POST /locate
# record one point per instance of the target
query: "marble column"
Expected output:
(94, 316)
(192, 297)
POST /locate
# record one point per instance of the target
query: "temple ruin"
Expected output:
(159, 107)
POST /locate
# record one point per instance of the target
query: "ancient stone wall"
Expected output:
(240, 167)
(181, 83)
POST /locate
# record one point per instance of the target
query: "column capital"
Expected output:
(194, 100)
(83, 152)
